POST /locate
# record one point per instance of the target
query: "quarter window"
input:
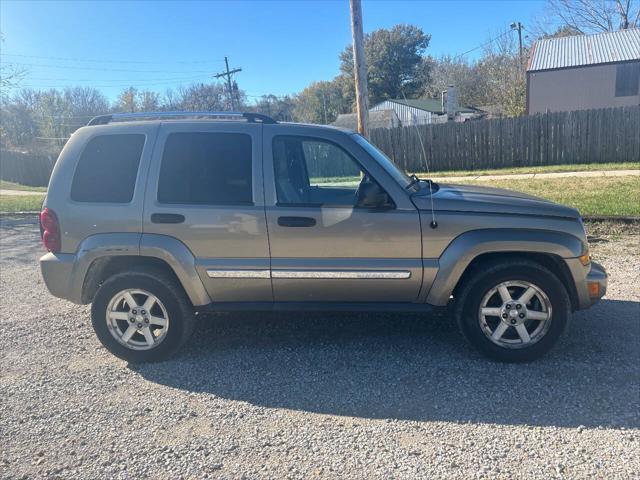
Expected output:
(107, 169)
(206, 169)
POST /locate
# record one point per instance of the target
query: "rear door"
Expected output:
(207, 178)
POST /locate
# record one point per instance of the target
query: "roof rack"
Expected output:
(113, 117)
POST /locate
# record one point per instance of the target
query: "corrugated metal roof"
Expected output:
(578, 50)
(377, 119)
(432, 105)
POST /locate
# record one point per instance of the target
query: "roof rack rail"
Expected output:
(112, 117)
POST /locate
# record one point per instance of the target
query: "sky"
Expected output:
(281, 46)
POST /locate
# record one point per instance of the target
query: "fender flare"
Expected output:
(170, 250)
(180, 259)
(466, 247)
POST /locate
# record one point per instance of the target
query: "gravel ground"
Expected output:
(315, 396)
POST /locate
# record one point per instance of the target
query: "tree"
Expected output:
(448, 70)
(590, 16)
(562, 31)
(496, 79)
(149, 101)
(202, 97)
(321, 102)
(86, 102)
(127, 101)
(18, 126)
(395, 63)
(10, 74)
(278, 108)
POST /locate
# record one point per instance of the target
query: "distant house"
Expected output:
(584, 71)
(377, 119)
(424, 111)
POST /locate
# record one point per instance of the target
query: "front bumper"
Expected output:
(596, 282)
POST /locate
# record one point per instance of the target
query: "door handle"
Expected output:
(296, 221)
(167, 218)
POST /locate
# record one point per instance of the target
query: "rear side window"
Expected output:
(206, 169)
(107, 169)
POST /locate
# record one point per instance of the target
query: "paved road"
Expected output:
(4, 191)
(314, 395)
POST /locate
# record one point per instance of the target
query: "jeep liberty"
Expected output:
(155, 218)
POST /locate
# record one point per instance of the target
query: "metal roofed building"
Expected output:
(423, 111)
(584, 71)
(377, 119)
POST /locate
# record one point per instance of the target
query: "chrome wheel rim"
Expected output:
(137, 319)
(515, 314)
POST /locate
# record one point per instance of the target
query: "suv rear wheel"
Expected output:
(513, 311)
(142, 316)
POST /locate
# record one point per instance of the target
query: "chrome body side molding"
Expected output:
(344, 274)
(215, 273)
(315, 274)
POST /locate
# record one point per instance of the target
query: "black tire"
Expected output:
(482, 280)
(172, 296)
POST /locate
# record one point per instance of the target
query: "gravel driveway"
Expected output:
(315, 395)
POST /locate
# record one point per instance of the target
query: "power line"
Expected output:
(191, 77)
(490, 41)
(123, 85)
(141, 62)
(72, 67)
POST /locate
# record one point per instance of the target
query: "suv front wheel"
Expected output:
(513, 311)
(142, 316)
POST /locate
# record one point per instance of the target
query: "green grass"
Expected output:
(581, 167)
(592, 196)
(4, 184)
(20, 203)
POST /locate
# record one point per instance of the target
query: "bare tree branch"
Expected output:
(590, 16)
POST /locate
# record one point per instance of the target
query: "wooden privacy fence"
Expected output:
(587, 136)
(25, 168)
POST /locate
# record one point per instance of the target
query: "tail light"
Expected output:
(50, 228)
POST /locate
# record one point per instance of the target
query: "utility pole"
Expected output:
(228, 75)
(518, 26)
(359, 67)
(324, 106)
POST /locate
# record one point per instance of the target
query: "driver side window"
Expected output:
(314, 172)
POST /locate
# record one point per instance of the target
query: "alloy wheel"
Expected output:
(515, 314)
(137, 319)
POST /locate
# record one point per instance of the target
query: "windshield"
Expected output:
(401, 177)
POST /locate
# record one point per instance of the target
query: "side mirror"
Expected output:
(371, 195)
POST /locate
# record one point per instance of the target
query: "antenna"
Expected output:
(434, 223)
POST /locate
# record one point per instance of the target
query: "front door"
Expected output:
(325, 247)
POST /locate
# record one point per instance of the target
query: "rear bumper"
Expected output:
(57, 271)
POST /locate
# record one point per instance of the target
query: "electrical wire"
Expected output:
(106, 69)
(140, 62)
(490, 41)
